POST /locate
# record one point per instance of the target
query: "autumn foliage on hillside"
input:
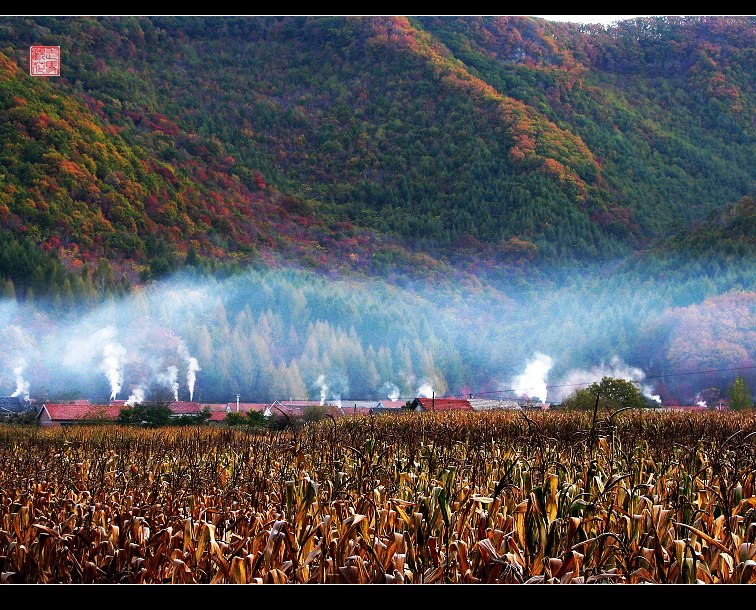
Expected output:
(373, 144)
(77, 188)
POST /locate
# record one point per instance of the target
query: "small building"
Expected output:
(438, 405)
(292, 408)
(180, 408)
(218, 412)
(300, 408)
(359, 407)
(244, 407)
(393, 404)
(490, 404)
(76, 412)
(80, 411)
(14, 404)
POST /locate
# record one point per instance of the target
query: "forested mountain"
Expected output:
(528, 189)
(84, 209)
(360, 142)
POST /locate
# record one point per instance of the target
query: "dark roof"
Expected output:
(14, 404)
(486, 404)
(360, 406)
(299, 403)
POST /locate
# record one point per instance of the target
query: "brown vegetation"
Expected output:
(495, 497)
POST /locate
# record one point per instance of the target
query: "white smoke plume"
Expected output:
(170, 380)
(320, 381)
(337, 400)
(191, 375)
(113, 354)
(192, 366)
(532, 383)
(136, 397)
(580, 378)
(392, 391)
(22, 386)
(425, 390)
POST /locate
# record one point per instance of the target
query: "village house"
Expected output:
(438, 405)
(393, 404)
(14, 404)
(219, 412)
(75, 412)
(489, 404)
(359, 407)
(81, 411)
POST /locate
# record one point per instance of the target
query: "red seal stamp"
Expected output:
(44, 61)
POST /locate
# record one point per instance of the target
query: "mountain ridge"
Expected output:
(362, 144)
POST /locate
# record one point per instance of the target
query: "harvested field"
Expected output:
(465, 497)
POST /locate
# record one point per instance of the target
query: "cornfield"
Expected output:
(498, 497)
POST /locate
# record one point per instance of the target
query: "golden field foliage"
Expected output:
(473, 497)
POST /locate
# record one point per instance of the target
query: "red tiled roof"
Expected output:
(180, 407)
(71, 412)
(445, 404)
(185, 408)
(213, 406)
(218, 415)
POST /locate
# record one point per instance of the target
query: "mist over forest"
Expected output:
(277, 334)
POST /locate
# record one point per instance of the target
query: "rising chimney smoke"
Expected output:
(113, 354)
(192, 366)
(22, 386)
